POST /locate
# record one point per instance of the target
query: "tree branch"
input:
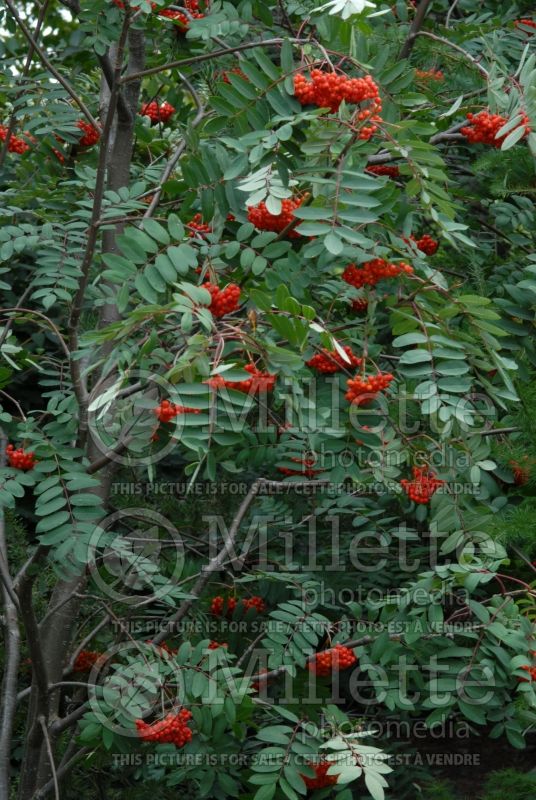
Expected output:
(217, 562)
(26, 67)
(51, 68)
(11, 669)
(100, 185)
(186, 62)
(170, 166)
(416, 25)
(458, 49)
(50, 757)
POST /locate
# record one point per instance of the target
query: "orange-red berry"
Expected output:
(20, 459)
(483, 128)
(330, 361)
(424, 484)
(265, 221)
(371, 272)
(333, 660)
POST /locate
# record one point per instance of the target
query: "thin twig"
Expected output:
(450, 12)
(458, 49)
(50, 757)
(172, 162)
(225, 51)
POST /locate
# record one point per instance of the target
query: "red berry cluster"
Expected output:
(383, 169)
(259, 383)
(333, 660)
(362, 390)
(371, 272)
(226, 607)
(264, 221)
(531, 671)
(359, 305)
(197, 225)
(222, 607)
(223, 301)
(16, 144)
(329, 361)
(255, 602)
(157, 113)
(306, 467)
(235, 71)
(167, 410)
(321, 779)
(192, 6)
(521, 471)
(423, 486)
(173, 729)
(426, 244)
(91, 135)
(429, 75)
(86, 659)
(328, 90)
(484, 126)
(216, 645)
(530, 23)
(19, 459)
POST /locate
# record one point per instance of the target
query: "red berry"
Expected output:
(166, 410)
(521, 471)
(265, 221)
(235, 71)
(333, 660)
(16, 144)
(362, 389)
(426, 244)
(371, 272)
(306, 467)
(424, 484)
(529, 23)
(321, 779)
(359, 305)
(215, 645)
(429, 75)
(86, 659)
(90, 134)
(484, 126)
(157, 113)
(173, 729)
(197, 226)
(328, 362)
(329, 89)
(383, 169)
(20, 459)
(226, 607)
(223, 301)
(259, 383)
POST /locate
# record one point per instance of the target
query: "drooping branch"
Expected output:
(26, 67)
(50, 67)
(458, 49)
